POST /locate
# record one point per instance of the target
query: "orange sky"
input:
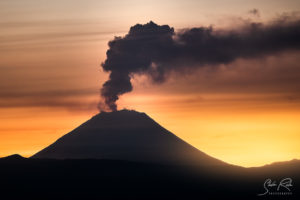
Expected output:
(244, 113)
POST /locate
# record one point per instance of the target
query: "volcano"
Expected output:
(125, 135)
(127, 155)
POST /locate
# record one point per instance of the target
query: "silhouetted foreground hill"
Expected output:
(111, 179)
(125, 135)
(127, 155)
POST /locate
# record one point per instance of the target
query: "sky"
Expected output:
(244, 112)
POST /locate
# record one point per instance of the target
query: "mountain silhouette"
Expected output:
(91, 179)
(13, 157)
(125, 135)
(127, 155)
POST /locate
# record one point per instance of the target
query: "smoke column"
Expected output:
(156, 50)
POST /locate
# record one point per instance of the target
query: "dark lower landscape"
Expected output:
(127, 155)
(108, 179)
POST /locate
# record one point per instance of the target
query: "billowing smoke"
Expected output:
(156, 50)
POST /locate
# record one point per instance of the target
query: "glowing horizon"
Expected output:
(244, 112)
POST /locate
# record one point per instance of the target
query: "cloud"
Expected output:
(254, 12)
(71, 100)
(157, 50)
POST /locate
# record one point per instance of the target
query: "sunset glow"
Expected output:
(245, 113)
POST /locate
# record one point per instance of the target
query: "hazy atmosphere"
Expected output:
(239, 104)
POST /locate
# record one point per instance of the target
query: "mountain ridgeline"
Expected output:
(127, 155)
(125, 135)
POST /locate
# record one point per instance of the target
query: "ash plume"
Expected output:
(156, 50)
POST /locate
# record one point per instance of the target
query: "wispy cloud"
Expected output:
(72, 100)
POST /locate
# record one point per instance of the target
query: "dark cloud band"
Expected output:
(156, 50)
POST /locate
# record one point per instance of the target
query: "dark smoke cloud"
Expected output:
(156, 50)
(254, 12)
